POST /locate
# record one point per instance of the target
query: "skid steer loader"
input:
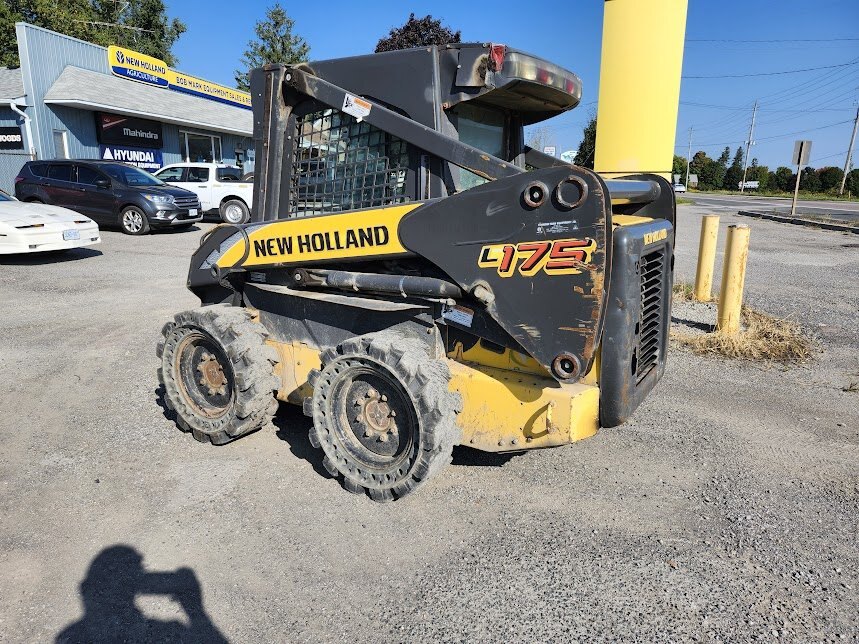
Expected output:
(416, 277)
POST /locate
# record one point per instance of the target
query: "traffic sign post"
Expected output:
(801, 152)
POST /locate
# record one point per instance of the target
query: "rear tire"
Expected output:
(382, 414)
(133, 221)
(234, 211)
(217, 373)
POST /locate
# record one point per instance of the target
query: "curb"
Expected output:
(825, 225)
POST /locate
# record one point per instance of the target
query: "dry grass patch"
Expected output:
(761, 338)
(683, 292)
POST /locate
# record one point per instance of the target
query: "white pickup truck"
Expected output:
(218, 186)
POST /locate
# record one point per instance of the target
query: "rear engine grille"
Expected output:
(186, 202)
(652, 301)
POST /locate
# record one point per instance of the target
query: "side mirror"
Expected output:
(104, 184)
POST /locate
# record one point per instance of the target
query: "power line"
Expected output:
(789, 71)
(773, 40)
(777, 136)
(761, 109)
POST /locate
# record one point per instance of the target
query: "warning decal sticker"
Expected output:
(356, 106)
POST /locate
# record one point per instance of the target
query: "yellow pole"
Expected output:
(733, 278)
(706, 258)
(639, 93)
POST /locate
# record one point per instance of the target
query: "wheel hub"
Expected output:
(375, 416)
(212, 373)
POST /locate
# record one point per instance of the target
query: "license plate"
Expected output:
(70, 235)
(192, 212)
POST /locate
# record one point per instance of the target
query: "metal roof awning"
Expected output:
(11, 86)
(85, 89)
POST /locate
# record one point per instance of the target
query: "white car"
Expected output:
(219, 187)
(38, 227)
(679, 187)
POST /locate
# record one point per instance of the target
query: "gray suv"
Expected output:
(112, 194)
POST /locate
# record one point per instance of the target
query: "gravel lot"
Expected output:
(727, 510)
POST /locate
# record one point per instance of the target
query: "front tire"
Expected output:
(235, 211)
(133, 221)
(382, 414)
(217, 373)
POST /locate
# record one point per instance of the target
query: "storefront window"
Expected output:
(201, 148)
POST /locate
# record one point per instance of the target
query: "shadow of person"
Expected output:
(115, 577)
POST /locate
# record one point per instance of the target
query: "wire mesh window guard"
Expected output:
(341, 164)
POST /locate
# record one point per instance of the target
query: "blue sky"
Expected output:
(817, 105)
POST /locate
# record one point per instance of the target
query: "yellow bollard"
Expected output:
(706, 258)
(733, 278)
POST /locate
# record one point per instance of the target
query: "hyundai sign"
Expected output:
(149, 160)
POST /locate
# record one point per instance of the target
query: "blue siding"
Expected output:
(44, 56)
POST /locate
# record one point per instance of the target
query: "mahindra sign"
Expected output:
(114, 129)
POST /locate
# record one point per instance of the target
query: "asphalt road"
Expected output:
(727, 510)
(847, 211)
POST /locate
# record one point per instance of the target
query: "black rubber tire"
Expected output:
(128, 228)
(251, 369)
(248, 176)
(422, 379)
(236, 205)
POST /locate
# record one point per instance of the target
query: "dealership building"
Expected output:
(70, 99)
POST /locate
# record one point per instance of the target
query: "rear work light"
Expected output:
(496, 56)
(535, 70)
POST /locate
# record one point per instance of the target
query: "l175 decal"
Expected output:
(554, 257)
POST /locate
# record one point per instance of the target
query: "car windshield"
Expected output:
(5, 197)
(129, 175)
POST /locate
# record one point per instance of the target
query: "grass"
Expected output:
(681, 201)
(804, 196)
(762, 337)
(683, 292)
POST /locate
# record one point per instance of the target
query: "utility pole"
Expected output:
(849, 152)
(748, 147)
(689, 157)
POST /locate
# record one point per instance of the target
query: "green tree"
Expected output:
(759, 173)
(678, 166)
(810, 180)
(275, 43)
(781, 179)
(734, 175)
(830, 178)
(704, 167)
(142, 25)
(851, 184)
(587, 148)
(418, 32)
(721, 168)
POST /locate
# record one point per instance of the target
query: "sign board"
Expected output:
(550, 150)
(204, 89)
(11, 139)
(693, 179)
(145, 159)
(149, 70)
(136, 66)
(114, 129)
(569, 156)
(677, 178)
(748, 184)
(801, 152)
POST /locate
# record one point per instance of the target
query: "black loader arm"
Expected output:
(535, 250)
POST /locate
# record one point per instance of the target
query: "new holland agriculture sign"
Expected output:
(152, 71)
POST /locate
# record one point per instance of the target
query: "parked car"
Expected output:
(110, 193)
(219, 187)
(35, 228)
(679, 187)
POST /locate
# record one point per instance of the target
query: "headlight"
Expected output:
(161, 199)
